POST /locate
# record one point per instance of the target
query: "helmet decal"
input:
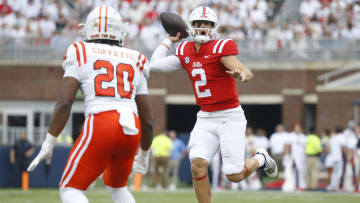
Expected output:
(100, 19)
(104, 22)
(106, 14)
(204, 12)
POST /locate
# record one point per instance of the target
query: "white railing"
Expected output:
(36, 138)
(249, 50)
(325, 78)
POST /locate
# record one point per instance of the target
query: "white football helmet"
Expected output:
(203, 14)
(104, 22)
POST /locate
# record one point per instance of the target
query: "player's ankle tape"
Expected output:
(201, 178)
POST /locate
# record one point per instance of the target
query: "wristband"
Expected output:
(166, 43)
(50, 139)
(243, 76)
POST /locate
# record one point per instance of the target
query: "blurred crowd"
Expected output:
(306, 160)
(328, 160)
(239, 19)
(331, 18)
(167, 152)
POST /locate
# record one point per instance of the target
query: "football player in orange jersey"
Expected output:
(113, 80)
(212, 65)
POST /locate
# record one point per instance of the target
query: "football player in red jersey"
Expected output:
(212, 65)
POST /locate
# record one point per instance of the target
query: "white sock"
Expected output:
(260, 158)
(121, 195)
(72, 195)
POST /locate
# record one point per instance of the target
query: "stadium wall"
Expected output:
(43, 176)
(291, 85)
(335, 108)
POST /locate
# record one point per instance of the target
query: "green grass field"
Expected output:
(100, 195)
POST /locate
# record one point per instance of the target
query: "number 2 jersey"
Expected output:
(214, 89)
(110, 76)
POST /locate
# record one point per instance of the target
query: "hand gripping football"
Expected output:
(173, 24)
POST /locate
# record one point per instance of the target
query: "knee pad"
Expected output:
(72, 195)
(121, 195)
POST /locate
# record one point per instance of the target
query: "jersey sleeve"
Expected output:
(70, 63)
(143, 65)
(176, 52)
(180, 49)
(226, 47)
(142, 88)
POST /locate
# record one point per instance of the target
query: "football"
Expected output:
(173, 24)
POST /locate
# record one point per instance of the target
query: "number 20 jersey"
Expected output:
(214, 89)
(110, 76)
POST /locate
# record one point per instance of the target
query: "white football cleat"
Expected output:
(270, 166)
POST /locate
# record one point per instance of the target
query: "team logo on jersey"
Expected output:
(197, 64)
(187, 59)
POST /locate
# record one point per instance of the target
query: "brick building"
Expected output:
(279, 92)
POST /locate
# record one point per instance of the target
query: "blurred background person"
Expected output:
(325, 145)
(161, 148)
(253, 181)
(351, 140)
(357, 160)
(261, 141)
(277, 145)
(334, 160)
(313, 150)
(298, 45)
(177, 154)
(20, 153)
(5, 8)
(295, 148)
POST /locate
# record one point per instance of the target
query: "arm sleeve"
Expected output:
(70, 64)
(228, 47)
(162, 63)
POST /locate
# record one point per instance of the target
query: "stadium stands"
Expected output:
(323, 25)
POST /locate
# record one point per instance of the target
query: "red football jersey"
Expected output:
(214, 89)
